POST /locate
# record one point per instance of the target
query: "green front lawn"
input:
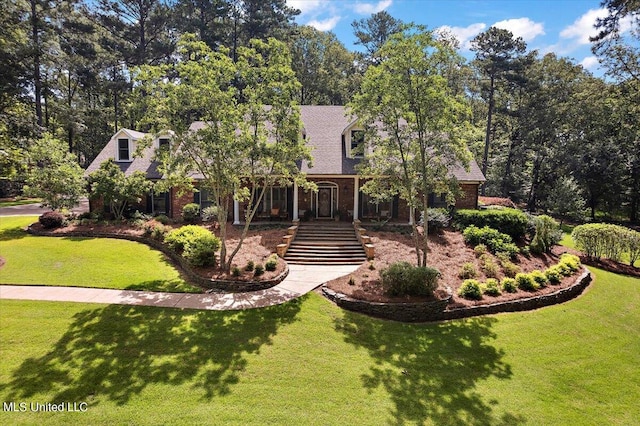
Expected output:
(83, 262)
(11, 203)
(308, 362)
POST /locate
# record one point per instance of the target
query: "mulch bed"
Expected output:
(258, 246)
(612, 266)
(447, 253)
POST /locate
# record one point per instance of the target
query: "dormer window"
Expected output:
(357, 143)
(124, 153)
(163, 144)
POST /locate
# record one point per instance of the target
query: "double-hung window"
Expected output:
(124, 153)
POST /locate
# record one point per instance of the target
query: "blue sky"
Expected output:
(559, 26)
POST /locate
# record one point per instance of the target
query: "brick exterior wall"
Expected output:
(470, 198)
(178, 202)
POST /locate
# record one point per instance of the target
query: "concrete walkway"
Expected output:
(301, 280)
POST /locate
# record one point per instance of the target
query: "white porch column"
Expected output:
(411, 216)
(236, 212)
(356, 201)
(295, 201)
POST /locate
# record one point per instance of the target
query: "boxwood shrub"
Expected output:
(509, 285)
(197, 245)
(491, 287)
(508, 221)
(470, 289)
(526, 282)
(404, 279)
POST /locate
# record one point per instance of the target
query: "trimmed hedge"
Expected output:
(404, 279)
(508, 221)
(198, 245)
(598, 240)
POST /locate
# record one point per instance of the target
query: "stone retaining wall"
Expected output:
(437, 310)
(405, 312)
(179, 261)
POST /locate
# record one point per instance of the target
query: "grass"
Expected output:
(22, 202)
(308, 362)
(83, 262)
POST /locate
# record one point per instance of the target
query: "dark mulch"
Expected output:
(612, 266)
(447, 253)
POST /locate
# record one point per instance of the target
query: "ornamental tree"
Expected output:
(414, 124)
(54, 175)
(249, 136)
(116, 189)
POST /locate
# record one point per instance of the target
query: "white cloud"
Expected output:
(590, 62)
(325, 24)
(306, 6)
(464, 34)
(522, 27)
(370, 8)
(583, 27)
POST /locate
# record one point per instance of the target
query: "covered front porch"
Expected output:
(338, 198)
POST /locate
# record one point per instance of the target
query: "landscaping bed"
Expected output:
(258, 247)
(447, 253)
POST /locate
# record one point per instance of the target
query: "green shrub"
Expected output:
(509, 221)
(480, 249)
(489, 267)
(191, 213)
(564, 269)
(210, 213)
(159, 232)
(258, 270)
(553, 274)
(178, 238)
(540, 278)
(249, 266)
(51, 220)
(526, 282)
(509, 285)
(470, 289)
(571, 261)
(510, 269)
(496, 241)
(271, 264)
(547, 234)
(235, 271)
(163, 219)
(598, 240)
(201, 250)
(404, 279)
(437, 219)
(491, 287)
(468, 270)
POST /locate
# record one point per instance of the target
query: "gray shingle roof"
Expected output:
(323, 126)
(143, 164)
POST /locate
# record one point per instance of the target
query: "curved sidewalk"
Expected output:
(301, 280)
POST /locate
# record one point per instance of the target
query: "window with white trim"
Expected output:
(124, 153)
(163, 143)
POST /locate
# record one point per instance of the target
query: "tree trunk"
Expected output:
(487, 136)
(36, 62)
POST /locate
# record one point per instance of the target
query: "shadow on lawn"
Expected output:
(431, 371)
(117, 351)
(15, 233)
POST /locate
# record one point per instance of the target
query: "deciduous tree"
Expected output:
(414, 124)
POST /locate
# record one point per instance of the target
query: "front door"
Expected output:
(324, 202)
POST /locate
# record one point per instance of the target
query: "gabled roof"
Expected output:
(143, 164)
(323, 126)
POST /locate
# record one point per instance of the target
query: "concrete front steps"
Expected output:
(327, 243)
